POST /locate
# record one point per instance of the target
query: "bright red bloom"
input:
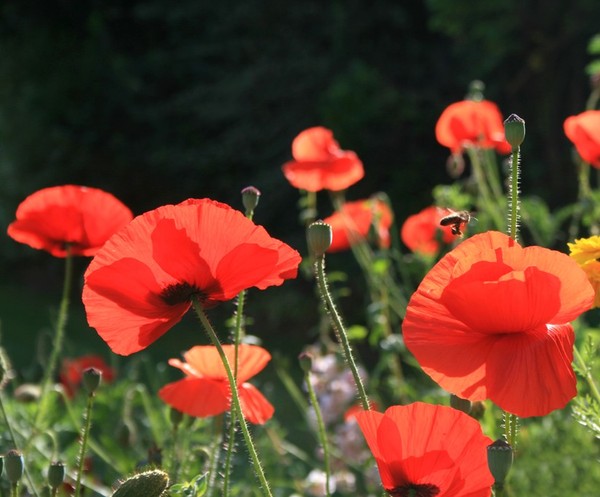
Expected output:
(584, 131)
(422, 232)
(425, 450)
(71, 372)
(353, 222)
(78, 216)
(205, 389)
(491, 321)
(320, 164)
(143, 280)
(472, 123)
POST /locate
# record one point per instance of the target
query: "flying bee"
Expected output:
(456, 219)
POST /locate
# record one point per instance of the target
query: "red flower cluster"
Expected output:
(470, 123)
(76, 216)
(205, 389)
(353, 222)
(71, 372)
(422, 232)
(428, 451)
(142, 281)
(320, 164)
(584, 131)
(491, 321)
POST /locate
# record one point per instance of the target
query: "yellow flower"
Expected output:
(592, 269)
(585, 249)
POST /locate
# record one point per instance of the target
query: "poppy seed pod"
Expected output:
(500, 459)
(250, 198)
(13, 466)
(319, 236)
(91, 379)
(514, 130)
(56, 474)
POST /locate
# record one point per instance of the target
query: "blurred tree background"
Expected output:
(157, 101)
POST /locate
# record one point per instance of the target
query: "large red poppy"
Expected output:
(76, 216)
(142, 281)
(71, 372)
(205, 389)
(353, 222)
(472, 123)
(422, 232)
(584, 131)
(320, 164)
(491, 321)
(426, 451)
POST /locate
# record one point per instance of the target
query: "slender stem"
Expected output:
(87, 418)
(235, 399)
(485, 197)
(321, 430)
(339, 329)
(587, 374)
(59, 333)
(215, 454)
(514, 194)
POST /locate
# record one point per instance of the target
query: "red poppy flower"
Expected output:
(422, 232)
(353, 223)
(71, 372)
(83, 218)
(491, 321)
(584, 131)
(472, 123)
(320, 164)
(426, 451)
(205, 389)
(142, 281)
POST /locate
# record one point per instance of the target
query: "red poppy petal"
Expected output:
(314, 144)
(255, 407)
(334, 175)
(524, 299)
(582, 130)
(369, 422)
(123, 304)
(531, 374)
(199, 397)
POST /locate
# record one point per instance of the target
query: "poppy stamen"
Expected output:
(179, 293)
(415, 490)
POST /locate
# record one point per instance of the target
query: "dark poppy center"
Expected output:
(179, 293)
(415, 490)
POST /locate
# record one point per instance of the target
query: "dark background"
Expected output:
(156, 101)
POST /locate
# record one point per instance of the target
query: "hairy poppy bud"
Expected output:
(306, 360)
(13, 465)
(514, 130)
(147, 484)
(56, 474)
(250, 198)
(319, 236)
(91, 379)
(500, 459)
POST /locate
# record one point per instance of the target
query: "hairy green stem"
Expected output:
(235, 399)
(338, 328)
(514, 194)
(87, 418)
(587, 374)
(321, 430)
(59, 333)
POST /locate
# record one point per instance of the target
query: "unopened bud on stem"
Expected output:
(319, 236)
(514, 130)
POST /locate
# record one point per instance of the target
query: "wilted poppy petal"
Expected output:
(544, 358)
(200, 397)
(256, 408)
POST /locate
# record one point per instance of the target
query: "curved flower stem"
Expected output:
(339, 329)
(321, 430)
(513, 225)
(235, 399)
(485, 196)
(87, 417)
(587, 374)
(58, 339)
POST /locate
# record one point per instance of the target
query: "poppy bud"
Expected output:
(500, 459)
(459, 404)
(319, 236)
(13, 464)
(250, 198)
(306, 360)
(514, 130)
(147, 484)
(56, 474)
(91, 379)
